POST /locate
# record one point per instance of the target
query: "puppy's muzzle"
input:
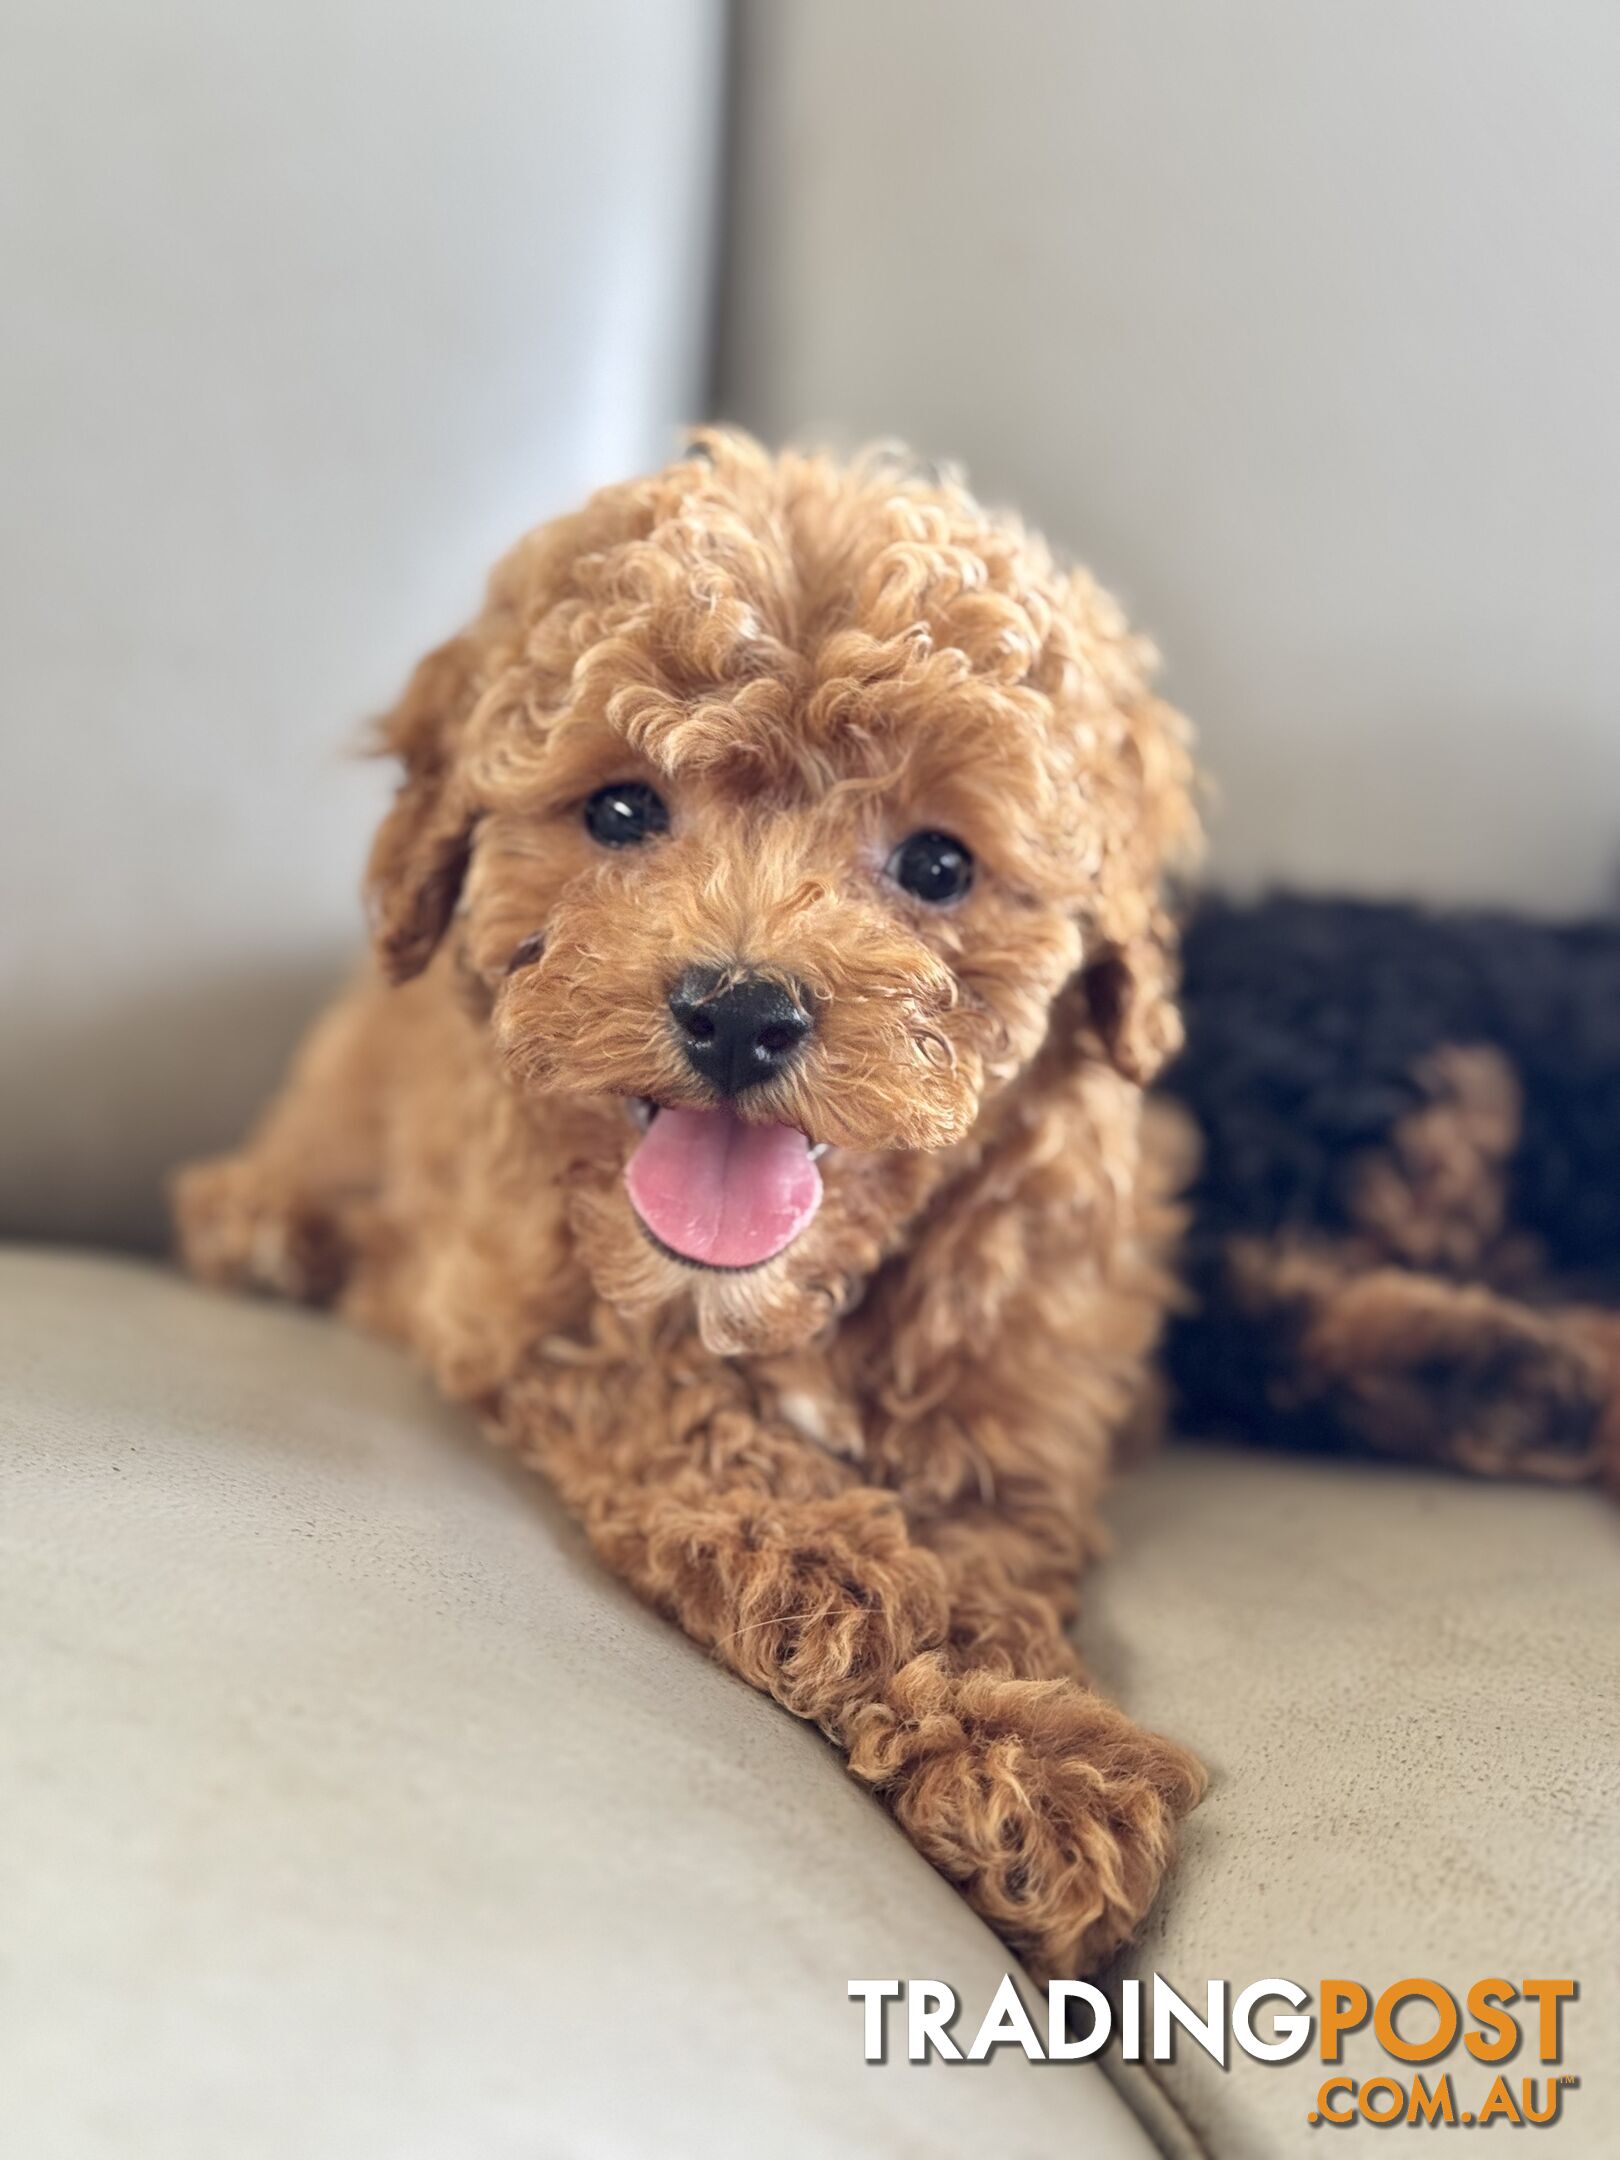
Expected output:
(737, 1033)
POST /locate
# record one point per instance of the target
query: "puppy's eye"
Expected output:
(625, 813)
(932, 866)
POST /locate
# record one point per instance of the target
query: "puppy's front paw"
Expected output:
(1052, 1813)
(241, 1229)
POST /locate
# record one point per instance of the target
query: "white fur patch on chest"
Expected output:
(828, 1424)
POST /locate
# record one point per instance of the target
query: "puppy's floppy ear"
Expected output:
(419, 857)
(1130, 1001)
(1151, 839)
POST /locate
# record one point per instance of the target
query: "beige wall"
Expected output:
(1301, 320)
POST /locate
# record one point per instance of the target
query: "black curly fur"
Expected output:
(1307, 1023)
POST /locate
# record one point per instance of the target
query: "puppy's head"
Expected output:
(785, 816)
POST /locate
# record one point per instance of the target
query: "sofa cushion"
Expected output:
(1215, 296)
(1408, 1688)
(352, 1811)
(311, 311)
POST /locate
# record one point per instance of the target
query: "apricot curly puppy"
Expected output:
(746, 1116)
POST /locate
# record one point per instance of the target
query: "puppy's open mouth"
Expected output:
(718, 1193)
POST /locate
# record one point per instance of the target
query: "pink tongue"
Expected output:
(714, 1189)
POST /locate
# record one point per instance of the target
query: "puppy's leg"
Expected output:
(1010, 1612)
(1046, 1806)
(286, 1211)
(1050, 1809)
(765, 1550)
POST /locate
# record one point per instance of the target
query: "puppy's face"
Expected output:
(788, 814)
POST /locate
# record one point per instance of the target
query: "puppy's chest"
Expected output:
(838, 1402)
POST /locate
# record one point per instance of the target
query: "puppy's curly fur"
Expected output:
(865, 1474)
(1406, 1228)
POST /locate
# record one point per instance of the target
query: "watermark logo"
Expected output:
(1495, 2021)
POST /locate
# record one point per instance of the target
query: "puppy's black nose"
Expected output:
(736, 1033)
